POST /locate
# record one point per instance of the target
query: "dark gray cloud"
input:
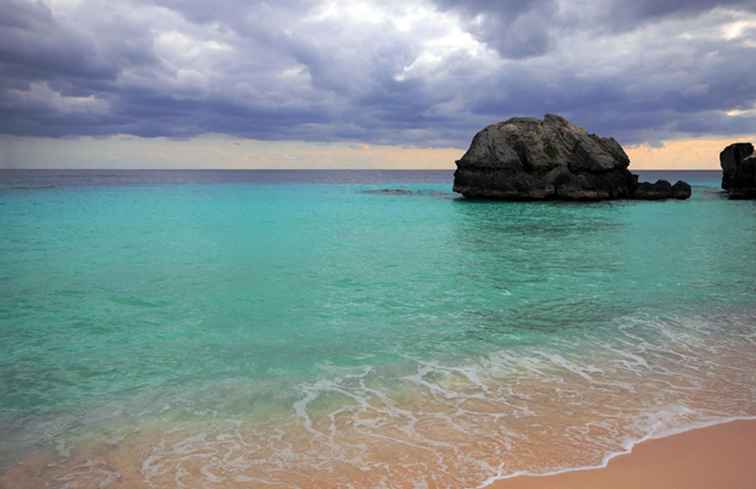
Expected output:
(34, 46)
(400, 72)
(642, 10)
(526, 28)
(515, 28)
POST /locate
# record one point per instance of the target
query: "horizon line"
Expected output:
(311, 169)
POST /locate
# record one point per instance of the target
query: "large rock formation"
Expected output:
(739, 170)
(530, 159)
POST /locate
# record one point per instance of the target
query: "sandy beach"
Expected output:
(720, 456)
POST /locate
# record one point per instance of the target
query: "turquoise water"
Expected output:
(176, 300)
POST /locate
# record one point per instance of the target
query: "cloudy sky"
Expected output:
(406, 83)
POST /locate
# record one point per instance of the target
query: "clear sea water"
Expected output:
(356, 328)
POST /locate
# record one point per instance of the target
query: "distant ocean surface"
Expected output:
(361, 329)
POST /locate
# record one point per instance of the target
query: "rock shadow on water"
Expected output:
(496, 220)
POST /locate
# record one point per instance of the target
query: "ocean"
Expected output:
(357, 329)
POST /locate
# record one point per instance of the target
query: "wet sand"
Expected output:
(722, 456)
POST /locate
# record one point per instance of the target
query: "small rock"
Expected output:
(738, 163)
(681, 190)
(659, 190)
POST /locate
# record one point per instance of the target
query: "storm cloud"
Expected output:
(411, 72)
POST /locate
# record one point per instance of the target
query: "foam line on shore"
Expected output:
(627, 450)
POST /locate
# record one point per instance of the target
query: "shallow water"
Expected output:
(356, 329)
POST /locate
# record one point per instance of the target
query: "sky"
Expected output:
(358, 84)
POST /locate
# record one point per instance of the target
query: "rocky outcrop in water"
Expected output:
(680, 190)
(739, 170)
(551, 159)
(662, 189)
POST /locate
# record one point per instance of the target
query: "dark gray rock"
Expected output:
(681, 190)
(662, 189)
(530, 159)
(739, 170)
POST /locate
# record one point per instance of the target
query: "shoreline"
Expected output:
(701, 455)
(694, 457)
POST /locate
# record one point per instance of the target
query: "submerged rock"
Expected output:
(738, 163)
(388, 191)
(530, 159)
